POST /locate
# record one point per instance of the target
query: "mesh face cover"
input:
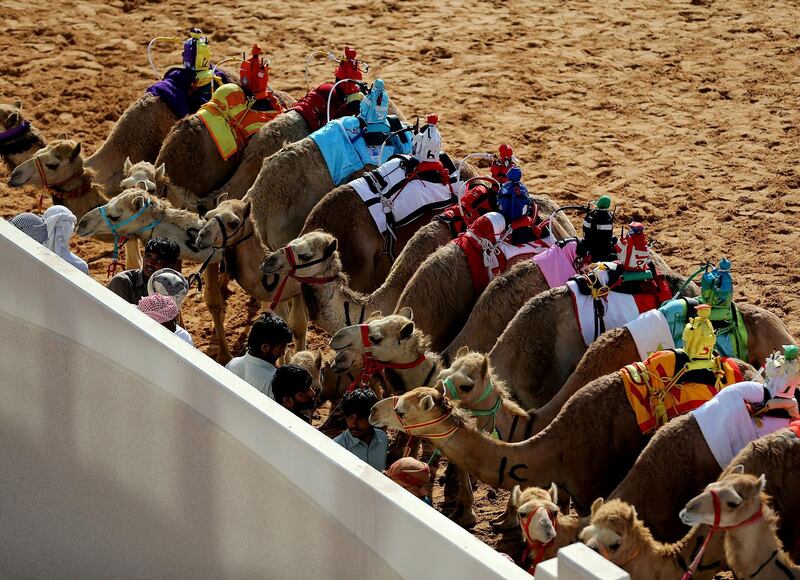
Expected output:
(31, 225)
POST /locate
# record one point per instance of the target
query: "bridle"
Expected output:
(115, 227)
(294, 267)
(716, 527)
(15, 132)
(373, 366)
(488, 390)
(50, 186)
(440, 419)
(536, 547)
(197, 277)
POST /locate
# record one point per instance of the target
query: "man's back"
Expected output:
(130, 285)
(255, 371)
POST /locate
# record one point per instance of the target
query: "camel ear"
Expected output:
(330, 249)
(463, 351)
(515, 493)
(762, 480)
(427, 403)
(247, 207)
(138, 202)
(18, 104)
(633, 514)
(161, 171)
(598, 503)
(554, 493)
(407, 330)
(737, 469)
(62, 136)
(485, 366)
(75, 152)
(407, 312)
(223, 196)
(318, 360)
(126, 167)
(13, 119)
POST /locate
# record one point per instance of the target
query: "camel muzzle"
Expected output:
(18, 177)
(271, 265)
(341, 341)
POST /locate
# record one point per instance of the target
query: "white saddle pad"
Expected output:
(650, 332)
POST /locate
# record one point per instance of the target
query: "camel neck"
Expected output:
(80, 195)
(658, 560)
(422, 375)
(754, 551)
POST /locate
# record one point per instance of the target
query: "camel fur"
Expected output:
(138, 135)
(752, 546)
(311, 361)
(543, 503)
(22, 147)
(620, 536)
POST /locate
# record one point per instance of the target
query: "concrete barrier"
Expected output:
(578, 562)
(125, 452)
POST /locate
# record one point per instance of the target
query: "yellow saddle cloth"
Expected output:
(231, 121)
(667, 384)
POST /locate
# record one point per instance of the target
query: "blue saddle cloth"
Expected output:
(342, 145)
(175, 89)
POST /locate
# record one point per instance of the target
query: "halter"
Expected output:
(197, 277)
(50, 187)
(115, 254)
(715, 527)
(372, 366)
(15, 132)
(407, 428)
(294, 267)
(491, 412)
(536, 547)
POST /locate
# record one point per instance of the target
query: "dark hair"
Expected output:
(165, 249)
(268, 329)
(290, 380)
(358, 402)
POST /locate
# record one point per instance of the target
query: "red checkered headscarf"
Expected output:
(159, 307)
(411, 474)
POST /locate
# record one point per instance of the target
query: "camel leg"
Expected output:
(133, 259)
(508, 520)
(298, 321)
(464, 515)
(212, 295)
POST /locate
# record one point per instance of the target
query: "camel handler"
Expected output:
(164, 310)
(291, 387)
(412, 475)
(269, 336)
(53, 230)
(362, 439)
(131, 285)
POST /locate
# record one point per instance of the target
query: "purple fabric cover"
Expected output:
(175, 89)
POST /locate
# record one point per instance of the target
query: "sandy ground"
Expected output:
(684, 112)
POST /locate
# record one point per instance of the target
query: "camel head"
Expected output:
(419, 405)
(312, 363)
(347, 361)
(392, 338)
(319, 248)
(10, 116)
(467, 378)
(739, 495)
(615, 531)
(59, 162)
(142, 175)
(537, 509)
(226, 224)
(118, 210)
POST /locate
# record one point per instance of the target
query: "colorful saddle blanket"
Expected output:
(345, 151)
(177, 89)
(664, 386)
(314, 106)
(231, 119)
(397, 195)
(663, 328)
(603, 301)
(479, 200)
(727, 425)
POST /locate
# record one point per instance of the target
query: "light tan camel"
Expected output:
(19, 140)
(544, 528)
(586, 451)
(193, 162)
(615, 348)
(620, 536)
(742, 507)
(138, 135)
(311, 361)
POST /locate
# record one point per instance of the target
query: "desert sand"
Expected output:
(686, 113)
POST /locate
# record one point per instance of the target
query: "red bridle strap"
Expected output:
(408, 428)
(536, 547)
(293, 267)
(50, 186)
(373, 366)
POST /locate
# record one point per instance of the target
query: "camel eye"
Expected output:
(467, 388)
(614, 546)
(51, 165)
(732, 504)
(305, 257)
(376, 340)
(112, 218)
(234, 223)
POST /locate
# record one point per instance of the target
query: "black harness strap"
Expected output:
(347, 318)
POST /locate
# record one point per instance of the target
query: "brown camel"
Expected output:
(193, 162)
(538, 510)
(620, 536)
(19, 140)
(586, 450)
(741, 505)
(138, 135)
(658, 488)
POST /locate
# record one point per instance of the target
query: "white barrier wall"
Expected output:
(126, 453)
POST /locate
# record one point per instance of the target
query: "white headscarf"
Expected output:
(60, 222)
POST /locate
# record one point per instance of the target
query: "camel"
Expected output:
(615, 348)
(19, 140)
(586, 450)
(193, 162)
(620, 536)
(343, 371)
(138, 135)
(312, 362)
(538, 512)
(739, 504)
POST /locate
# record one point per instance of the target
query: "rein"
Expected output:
(716, 527)
(294, 267)
(536, 547)
(197, 277)
(112, 268)
(50, 186)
